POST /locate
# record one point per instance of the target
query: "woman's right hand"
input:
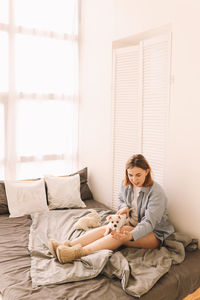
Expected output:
(123, 210)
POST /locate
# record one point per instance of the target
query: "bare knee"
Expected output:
(103, 229)
(148, 242)
(99, 232)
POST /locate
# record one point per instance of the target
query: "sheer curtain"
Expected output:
(38, 87)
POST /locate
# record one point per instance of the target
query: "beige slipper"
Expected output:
(53, 244)
(68, 254)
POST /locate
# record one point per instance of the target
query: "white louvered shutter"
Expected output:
(125, 112)
(141, 83)
(156, 74)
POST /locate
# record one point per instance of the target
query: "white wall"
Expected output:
(95, 100)
(103, 21)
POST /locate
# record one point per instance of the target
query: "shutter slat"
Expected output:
(155, 104)
(125, 112)
(140, 107)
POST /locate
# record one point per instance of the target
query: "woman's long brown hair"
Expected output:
(138, 160)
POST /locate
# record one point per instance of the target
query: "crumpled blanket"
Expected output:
(138, 269)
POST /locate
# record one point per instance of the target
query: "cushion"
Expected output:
(25, 197)
(3, 199)
(64, 192)
(86, 193)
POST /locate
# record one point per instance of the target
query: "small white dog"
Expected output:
(91, 220)
(115, 223)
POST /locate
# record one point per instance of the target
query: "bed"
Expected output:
(15, 267)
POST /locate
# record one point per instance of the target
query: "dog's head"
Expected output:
(115, 221)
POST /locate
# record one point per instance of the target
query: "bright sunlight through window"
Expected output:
(38, 87)
(2, 139)
(3, 61)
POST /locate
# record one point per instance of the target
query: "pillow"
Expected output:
(86, 193)
(64, 192)
(26, 197)
(3, 199)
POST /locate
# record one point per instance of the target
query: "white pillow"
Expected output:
(64, 192)
(25, 197)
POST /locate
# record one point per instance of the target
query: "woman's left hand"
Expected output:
(123, 235)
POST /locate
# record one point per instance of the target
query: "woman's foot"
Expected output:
(68, 254)
(53, 244)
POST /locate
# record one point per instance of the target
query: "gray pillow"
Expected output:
(85, 191)
(3, 199)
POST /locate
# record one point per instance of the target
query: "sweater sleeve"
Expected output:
(122, 197)
(153, 214)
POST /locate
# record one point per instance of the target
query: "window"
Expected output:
(2, 131)
(141, 81)
(38, 87)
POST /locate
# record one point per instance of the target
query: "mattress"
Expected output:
(15, 282)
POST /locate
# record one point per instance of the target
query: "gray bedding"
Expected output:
(16, 282)
(137, 269)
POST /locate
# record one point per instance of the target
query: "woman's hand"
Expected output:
(123, 210)
(123, 235)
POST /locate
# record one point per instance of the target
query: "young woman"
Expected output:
(143, 200)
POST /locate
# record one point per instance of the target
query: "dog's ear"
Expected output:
(109, 218)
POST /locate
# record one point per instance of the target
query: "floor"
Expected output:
(194, 296)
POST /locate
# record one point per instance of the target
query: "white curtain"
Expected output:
(38, 87)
